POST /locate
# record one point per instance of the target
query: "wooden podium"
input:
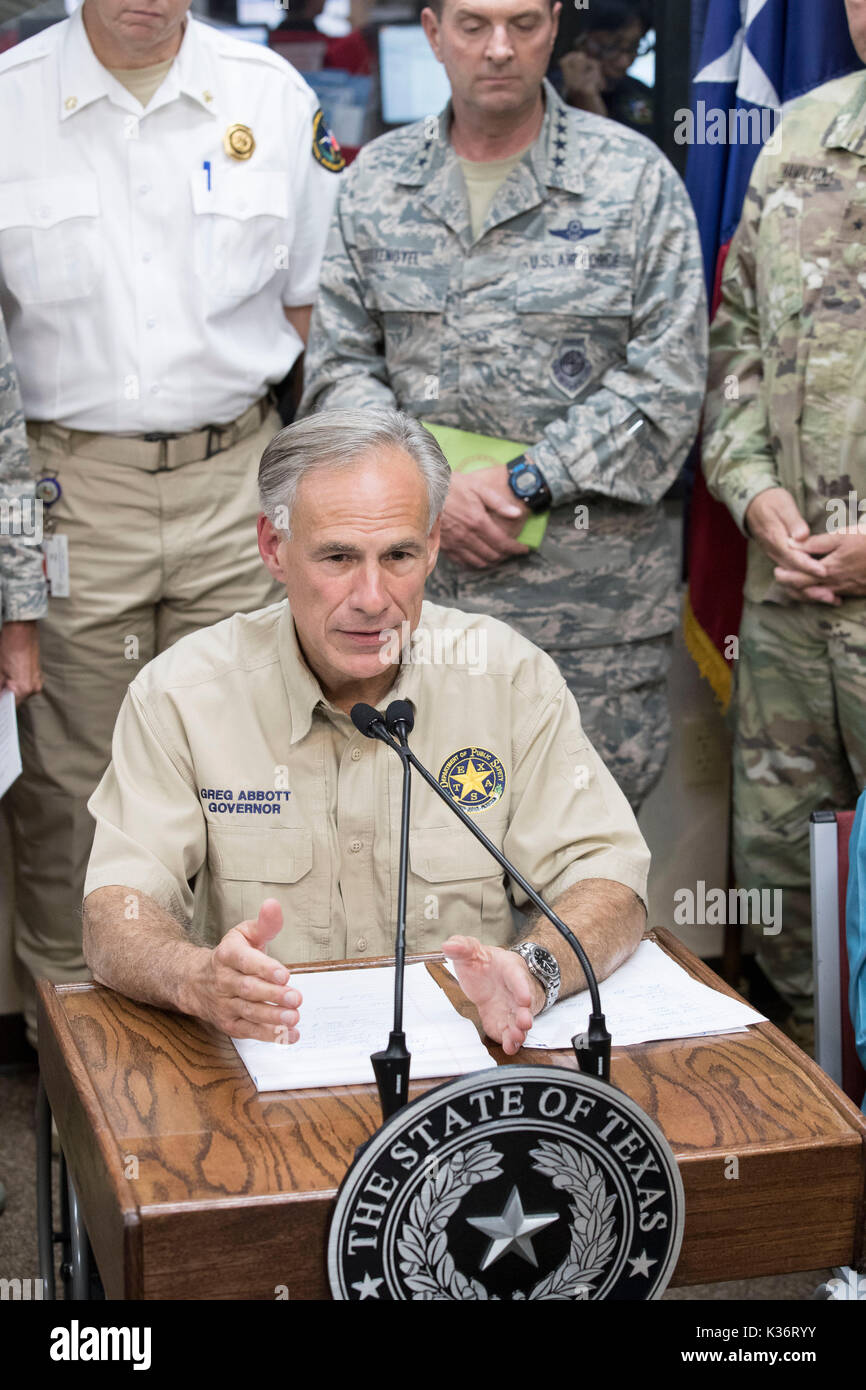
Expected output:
(194, 1186)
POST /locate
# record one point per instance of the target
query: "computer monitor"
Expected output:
(266, 12)
(413, 83)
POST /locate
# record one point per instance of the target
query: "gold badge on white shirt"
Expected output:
(239, 142)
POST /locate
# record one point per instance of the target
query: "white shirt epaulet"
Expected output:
(40, 46)
(227, 47)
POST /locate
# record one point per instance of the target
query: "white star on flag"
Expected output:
(740, 65)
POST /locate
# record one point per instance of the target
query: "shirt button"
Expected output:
(154, 390)
(356, 753)
(144, 188)
(361, 943)
(44, 212)
(356, 846)
(145, 256)
(151, 323)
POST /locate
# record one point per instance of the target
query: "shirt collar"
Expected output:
(848, 130)
(553, 155)
(304, 692)
(83, 79)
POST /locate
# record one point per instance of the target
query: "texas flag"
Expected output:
(756, 55)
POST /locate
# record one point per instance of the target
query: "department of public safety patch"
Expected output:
(474, 777)
(326, 147)
(521, 1182)
(571, 369)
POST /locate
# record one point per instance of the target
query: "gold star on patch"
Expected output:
(207, 96)
(472, 780)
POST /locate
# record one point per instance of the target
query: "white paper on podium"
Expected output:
(10, 754)
(347, 1014)
(648, 998)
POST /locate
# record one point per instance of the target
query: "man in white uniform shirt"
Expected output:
(163, 212)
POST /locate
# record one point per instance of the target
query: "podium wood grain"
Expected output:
(193, 1185)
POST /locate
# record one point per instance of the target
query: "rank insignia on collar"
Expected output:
(326, 147)
(575, 231)
(239, 142)
(474, 777)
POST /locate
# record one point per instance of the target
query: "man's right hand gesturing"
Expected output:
(236, 986)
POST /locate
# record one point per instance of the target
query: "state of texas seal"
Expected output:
(521, 1182)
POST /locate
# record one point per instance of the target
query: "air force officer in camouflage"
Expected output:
(520, 269)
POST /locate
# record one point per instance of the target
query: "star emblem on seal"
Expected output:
(512, 1230)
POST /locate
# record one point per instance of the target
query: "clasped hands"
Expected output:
(482, 518)
(816, 569)
(248, 994)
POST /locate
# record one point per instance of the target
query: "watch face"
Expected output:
(544, 963)
(525, 481)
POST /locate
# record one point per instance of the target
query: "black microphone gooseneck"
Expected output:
(391, 1066)
(592, 1049)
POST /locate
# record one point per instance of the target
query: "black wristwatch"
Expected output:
(526, 481)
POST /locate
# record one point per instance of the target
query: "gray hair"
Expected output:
(337, 439)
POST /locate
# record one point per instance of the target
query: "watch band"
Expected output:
(544, 967)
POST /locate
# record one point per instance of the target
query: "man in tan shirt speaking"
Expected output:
(243, 808)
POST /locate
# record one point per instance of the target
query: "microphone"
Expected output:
(391, 1066)
(592, 1048)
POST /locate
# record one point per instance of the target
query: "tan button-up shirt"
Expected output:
(233, 779)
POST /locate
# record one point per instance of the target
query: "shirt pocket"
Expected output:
(458, 887)
(778, 271)
(242, 229)
(779, 292)
(410, 305)
(573, 327)
(51, 242)
(247, 866)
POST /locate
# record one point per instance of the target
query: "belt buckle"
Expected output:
(214, 430)
(157, 437)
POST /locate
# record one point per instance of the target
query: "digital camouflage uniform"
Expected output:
(22, 584)
(575, 323)
(787, 408)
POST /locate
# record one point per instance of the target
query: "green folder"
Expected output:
(467, 452)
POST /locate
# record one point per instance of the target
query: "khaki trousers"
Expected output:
(159, 545)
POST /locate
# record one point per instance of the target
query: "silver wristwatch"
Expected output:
(543, 966)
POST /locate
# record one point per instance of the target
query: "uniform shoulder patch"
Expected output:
(326, 147)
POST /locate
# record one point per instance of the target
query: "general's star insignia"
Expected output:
(512, 1230)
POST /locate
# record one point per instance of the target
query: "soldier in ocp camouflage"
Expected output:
(786, 408)
(574, 322)
(23, 595)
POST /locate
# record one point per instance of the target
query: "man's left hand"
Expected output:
(844, 555)
(500, 986)
(19, 660)
(482, 519)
